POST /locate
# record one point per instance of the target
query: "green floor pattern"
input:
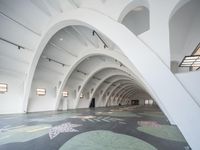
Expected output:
(118, 114)
(55, 118)
(153, 114)
(163, 131)
(23, 133)
(105, 140)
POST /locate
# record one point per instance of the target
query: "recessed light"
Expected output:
(61, 39)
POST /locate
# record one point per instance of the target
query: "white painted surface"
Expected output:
(191, 81)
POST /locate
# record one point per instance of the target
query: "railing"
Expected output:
(55, 61)
(192, 61)
(18, 46)
(94, 32)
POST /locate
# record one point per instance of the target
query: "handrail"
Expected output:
(94, 32)
(55, 61)
(18, 46)
(81, 72)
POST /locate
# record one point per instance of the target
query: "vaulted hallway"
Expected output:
(59, 56)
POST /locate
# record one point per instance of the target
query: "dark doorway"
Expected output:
(135, 102)
(92, 104)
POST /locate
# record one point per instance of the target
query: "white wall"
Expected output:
(137, 21)
(184, 30)
(42, 103)
(11, 101)
(191, 82)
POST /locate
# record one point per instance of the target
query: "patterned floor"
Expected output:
(116, 128)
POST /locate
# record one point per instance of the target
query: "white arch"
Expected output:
(150, 69)
(97, 70)
(115, 91)
(120, 76)
(122, 94)
(178, 5)
(108, 98)
(131, 6)
(114, 98)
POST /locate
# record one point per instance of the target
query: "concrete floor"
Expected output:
(115, 128)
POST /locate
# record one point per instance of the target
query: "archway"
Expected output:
(184, 32)
(150, 70)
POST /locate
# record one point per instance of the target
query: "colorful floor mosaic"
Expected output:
(115, 128)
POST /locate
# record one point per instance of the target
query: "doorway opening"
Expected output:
(92, 104)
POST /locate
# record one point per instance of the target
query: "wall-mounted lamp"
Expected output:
(3, 88)
(65, 93)
(41, 91)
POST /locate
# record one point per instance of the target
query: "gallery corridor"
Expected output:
(73, 71)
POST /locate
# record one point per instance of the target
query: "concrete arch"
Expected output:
(120, 77)
(115, 91)
(129, 86)
(121, 99)
(131, 92)
(179, 4)
(114, 100)
(148, 71)
(107, 87)
(184, 39)
(97, 70)
(132, 5)
(130, 89)
(108, 98)
(132, 95)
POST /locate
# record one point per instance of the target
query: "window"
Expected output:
(3, 88)
(41, 91)
(65, 93)
(192, 61)
(81, 96)
(148, 102)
